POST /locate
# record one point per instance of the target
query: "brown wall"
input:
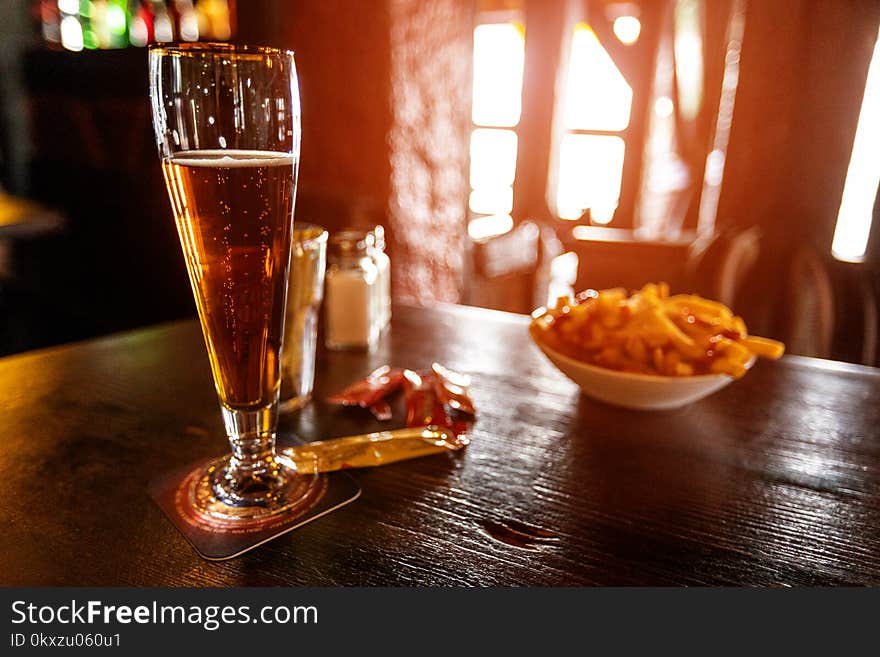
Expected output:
(431, 92)
(385, 90)
(802, 77)
(343, 61)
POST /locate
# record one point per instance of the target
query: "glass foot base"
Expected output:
(279, 490)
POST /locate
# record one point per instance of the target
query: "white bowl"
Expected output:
(646, 392)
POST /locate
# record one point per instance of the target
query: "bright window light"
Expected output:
(597, 96)
(564, 268)
(590, 173)
(499, 53)
(491, 200)
(627, 29)
(482, 228)
(493, 158)
(688, 46)
(863, 176)
(563, 276)
(663, 107)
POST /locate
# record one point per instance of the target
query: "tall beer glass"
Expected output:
(227, 124)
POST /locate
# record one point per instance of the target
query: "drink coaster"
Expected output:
(217, 539)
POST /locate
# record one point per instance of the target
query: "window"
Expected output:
(609, 109)
(863, 175)
(596, 113)
(499, 55)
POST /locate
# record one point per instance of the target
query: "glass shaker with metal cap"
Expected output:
(351, 311)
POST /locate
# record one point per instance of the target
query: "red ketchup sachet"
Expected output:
(438, 397)
(372, 392)
(431, 400)
(453, 390)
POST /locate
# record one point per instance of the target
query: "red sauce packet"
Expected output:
(438, 397)
(381, 411)
(452, 389)
(424, 406)
(371, 391)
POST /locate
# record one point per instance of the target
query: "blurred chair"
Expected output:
(808, 305)
(785, 292)
(719, 266)
(857, 314)
(871, 308)
(512, 271)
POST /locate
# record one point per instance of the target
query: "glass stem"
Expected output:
(252, 437)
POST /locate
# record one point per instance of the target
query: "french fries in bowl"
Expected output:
(649, 350)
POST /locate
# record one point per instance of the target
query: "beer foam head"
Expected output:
(232, 158)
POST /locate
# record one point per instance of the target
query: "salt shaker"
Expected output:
(383, 284)
(351, 311)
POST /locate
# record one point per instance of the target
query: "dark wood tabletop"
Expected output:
(774, 480)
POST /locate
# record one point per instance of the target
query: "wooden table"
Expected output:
(775, 480)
